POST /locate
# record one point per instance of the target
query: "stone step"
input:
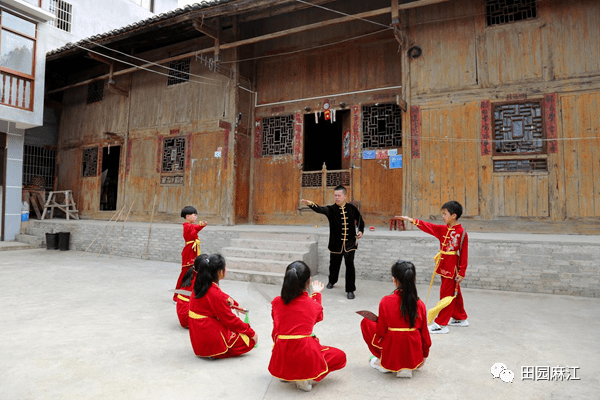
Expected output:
(257, 264)
(288, 245)
(276, 255)
(34, 241)
(14, 245)
(254, 276)
(278, 236)
(34, 230)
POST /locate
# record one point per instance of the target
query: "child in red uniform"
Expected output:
(399, 339)
(215, 331)
(191, 250)
(187, 283)
(297, 354)
(450, 264)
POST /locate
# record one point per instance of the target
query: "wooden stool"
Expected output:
(68, 208)
(397, 223)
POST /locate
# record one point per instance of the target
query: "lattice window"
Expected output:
(95, 91)
(179, 72)
(519, 128)
(506, 11)
(312, 179)
(278, 135)
(90, 162)
(64, 14)
(382, 126)
(338, 178)
(520, 165)
(173, 159)
(38, 166)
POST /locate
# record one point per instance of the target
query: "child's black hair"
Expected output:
(453, 207)
(200, 262)
(405, 274)
(209, 274)
(297, 275)
(340, 187)
(188, 210)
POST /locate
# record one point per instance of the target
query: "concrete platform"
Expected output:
(96, 327)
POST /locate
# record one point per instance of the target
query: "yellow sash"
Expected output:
(402, 329)
(292, 336)
(180, 297)
(437, 258)
(196, 316)
(195, 246)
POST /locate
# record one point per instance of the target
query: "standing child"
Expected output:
(450, 264)
(187, 283)
(215, 331)
(191, 250)
(399, 339)
(297, 354)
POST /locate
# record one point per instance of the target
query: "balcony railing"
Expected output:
(16, 91)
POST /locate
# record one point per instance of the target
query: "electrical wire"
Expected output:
(343, 13)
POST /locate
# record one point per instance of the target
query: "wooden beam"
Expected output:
(102, 59)
(420, 3)
(395, 19)
(204, 28)
(271, 12)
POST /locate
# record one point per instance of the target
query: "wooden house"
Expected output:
(242, 108)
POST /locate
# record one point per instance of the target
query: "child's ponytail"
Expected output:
(199, 262)
(296, 276)
(208, 274)
(405, 274)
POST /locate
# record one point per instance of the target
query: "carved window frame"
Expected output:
(89, 162)
(95, 91)
(178, 158)
(535, 161)
(277, 135)
(498, 12)
(394, 141)
(179, 71)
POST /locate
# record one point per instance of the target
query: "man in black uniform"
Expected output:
(343, 219)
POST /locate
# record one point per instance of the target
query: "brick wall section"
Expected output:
(547, 266)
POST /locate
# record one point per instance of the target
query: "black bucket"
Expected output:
(63, 240)
(52, 241)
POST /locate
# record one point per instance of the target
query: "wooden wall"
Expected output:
(464, 62)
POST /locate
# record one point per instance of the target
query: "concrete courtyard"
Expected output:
(100, 327)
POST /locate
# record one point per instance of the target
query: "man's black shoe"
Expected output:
(330, 285)
(351, 295)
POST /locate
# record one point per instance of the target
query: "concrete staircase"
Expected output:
(263, 256)
(35, 237)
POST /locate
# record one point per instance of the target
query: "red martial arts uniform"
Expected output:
(452, 257)
(297, 355)
(190, 251)
(392, 340)
(215, 331)
(183, 304)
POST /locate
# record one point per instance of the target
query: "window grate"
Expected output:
(519, 128)
(278, 135)
(520, 165)
(90, 162)
(38, 166)
(64, 14)
(95, 92)
(506, 11)
(382, 126)
(179, 72)
(173, 159)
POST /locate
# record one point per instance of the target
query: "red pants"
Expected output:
(335, 359)
(178, 285)
(456, 309)
(238, 348)
(368, 329)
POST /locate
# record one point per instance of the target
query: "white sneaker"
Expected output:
(458, 322)
(304, 385)
(405, 373)
(375, 363)
(435, 328)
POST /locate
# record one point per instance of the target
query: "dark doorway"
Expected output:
(2, 182)
(323, 141)
(109, 183)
